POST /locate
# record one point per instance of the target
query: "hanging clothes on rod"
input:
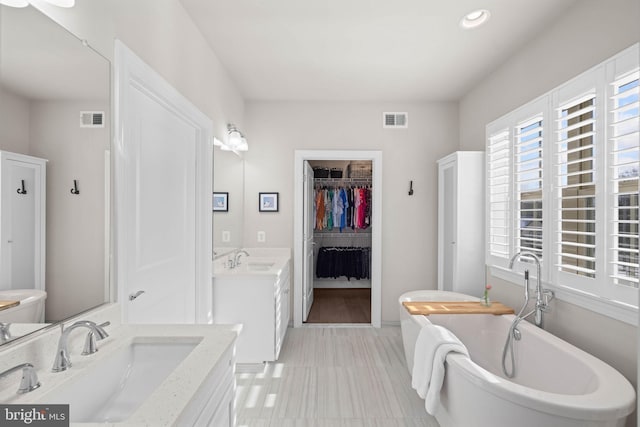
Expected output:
(342, 207)
(350, 262)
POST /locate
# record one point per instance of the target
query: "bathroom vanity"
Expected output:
(141, 375)
(255, 293)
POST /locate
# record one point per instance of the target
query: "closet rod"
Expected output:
(344, 179)
(342, 235)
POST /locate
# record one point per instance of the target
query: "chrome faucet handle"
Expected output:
(90, 345)
(547, 296)
(29, 381)
(5, 334)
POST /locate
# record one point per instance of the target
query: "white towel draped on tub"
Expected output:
(433, 344)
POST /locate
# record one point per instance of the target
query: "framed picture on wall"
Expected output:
(221, 202)
(268, 202)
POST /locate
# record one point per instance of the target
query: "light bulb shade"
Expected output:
(15, 3)
(234, 139)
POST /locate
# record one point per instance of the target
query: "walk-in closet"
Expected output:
(342, 218)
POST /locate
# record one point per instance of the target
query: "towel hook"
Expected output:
(411, 188)
(22, 190)
(75, 190)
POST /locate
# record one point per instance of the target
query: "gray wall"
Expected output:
(75, 223)
(409, 231)
(14, 122)
(589, 33)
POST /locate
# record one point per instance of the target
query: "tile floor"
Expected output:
(340, 376)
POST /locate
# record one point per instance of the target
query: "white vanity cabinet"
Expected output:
(215, 407)
(461, 208)
(259, 300)
(22, 221)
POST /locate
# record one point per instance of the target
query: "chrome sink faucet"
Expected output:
(29, 381)
(235, 261)
(62, 361)
(543, 296)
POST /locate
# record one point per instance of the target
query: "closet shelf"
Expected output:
(342, 180)
(337, 233)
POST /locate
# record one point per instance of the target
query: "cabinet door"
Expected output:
(447, 226)
(22, 223)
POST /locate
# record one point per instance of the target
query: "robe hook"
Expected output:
(22, 190)
(75, 190)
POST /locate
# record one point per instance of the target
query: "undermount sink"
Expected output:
(259, 266)
(114, 389)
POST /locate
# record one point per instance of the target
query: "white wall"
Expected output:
(163, 35)
(276, 129)
(590, 32)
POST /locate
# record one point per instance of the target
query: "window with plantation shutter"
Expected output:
(498, 175)
(528, 182)
(623, 181)
(562, 182)
(576, 181)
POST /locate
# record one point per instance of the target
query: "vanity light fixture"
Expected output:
(25, 3)
(235, 139)
(475, 19)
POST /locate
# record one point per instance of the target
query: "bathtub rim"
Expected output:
(589, 406)
(30, 296)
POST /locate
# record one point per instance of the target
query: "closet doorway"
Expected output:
(337, 258)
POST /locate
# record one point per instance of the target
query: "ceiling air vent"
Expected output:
(91, 119)
(395, 120)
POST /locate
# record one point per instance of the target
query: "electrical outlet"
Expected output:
(262, 237)
(226, 236)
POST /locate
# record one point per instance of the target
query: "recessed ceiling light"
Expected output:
(475, 19)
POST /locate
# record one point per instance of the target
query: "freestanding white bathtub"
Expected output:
(556, 384)
(30, 310)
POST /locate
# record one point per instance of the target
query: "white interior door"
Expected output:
(163, 193)
(308, 222)
(161, 227)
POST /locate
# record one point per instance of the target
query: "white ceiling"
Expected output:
(365, 49)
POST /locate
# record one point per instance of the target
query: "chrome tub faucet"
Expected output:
(543, 296)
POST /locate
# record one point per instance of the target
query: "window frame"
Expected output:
(599, 294)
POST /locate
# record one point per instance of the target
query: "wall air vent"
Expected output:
(91, 119)
(395, 120)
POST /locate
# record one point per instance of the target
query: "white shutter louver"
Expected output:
(528, 185)
(499, 172)
(576, 169)
(623, 179)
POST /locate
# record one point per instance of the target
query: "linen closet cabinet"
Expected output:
(461, 209)
(22, 221)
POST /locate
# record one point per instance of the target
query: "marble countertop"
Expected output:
(261, 262)
(167, 402)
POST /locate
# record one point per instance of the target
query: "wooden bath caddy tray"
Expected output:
(8, 304)
(455, 307)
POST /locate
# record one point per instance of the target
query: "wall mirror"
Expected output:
(55, 105)
(228, 177)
